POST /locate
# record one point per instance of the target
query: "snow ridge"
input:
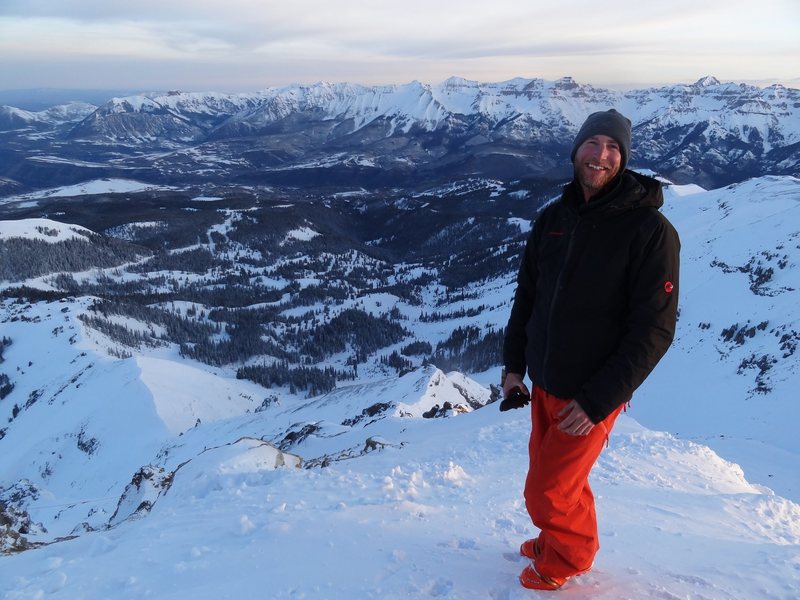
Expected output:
(428, 106)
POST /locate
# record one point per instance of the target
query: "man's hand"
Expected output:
(514, 380)
(515, 394)
(574, 420)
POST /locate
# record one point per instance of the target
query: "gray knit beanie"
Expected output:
(610, 123)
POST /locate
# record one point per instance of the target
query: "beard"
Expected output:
(592, 181)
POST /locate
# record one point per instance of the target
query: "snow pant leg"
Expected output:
(557, 493)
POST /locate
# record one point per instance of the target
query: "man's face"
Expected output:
(597, 161)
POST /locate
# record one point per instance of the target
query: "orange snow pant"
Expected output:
(557, 493)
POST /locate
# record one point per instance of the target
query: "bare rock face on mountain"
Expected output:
(15, 524)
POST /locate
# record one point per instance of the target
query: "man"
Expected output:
(594, 311)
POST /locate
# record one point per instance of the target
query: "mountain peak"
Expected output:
(459, 82)
(707, 81)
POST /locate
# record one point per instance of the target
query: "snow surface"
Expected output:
(95, 186)
(302, 234)
(45, 230)
(728, 234)
(183, 395)
(410, 507)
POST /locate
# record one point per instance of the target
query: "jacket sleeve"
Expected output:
(649, 326)
(516, 338)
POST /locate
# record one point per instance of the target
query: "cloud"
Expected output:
(362, 40)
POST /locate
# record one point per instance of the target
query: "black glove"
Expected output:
(515, 399)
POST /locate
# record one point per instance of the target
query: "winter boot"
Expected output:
(530, 548)
(532, 580)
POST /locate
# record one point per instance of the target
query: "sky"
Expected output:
(248, 45)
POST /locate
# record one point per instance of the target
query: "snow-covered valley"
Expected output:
(147, 474)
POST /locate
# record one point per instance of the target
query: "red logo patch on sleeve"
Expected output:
(668, 287)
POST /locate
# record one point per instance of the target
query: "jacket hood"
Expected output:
(646, 191)
(630, 190)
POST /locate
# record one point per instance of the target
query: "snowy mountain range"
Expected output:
(133, 464)
(708, 132)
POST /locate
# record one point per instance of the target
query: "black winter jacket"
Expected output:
(597, 295)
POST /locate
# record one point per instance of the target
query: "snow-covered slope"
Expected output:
(434, 510)
(732, 376)
(12, 117)
(96, 186)
(78, 424)
(45, 230)
(179, 481)
(33, 247)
